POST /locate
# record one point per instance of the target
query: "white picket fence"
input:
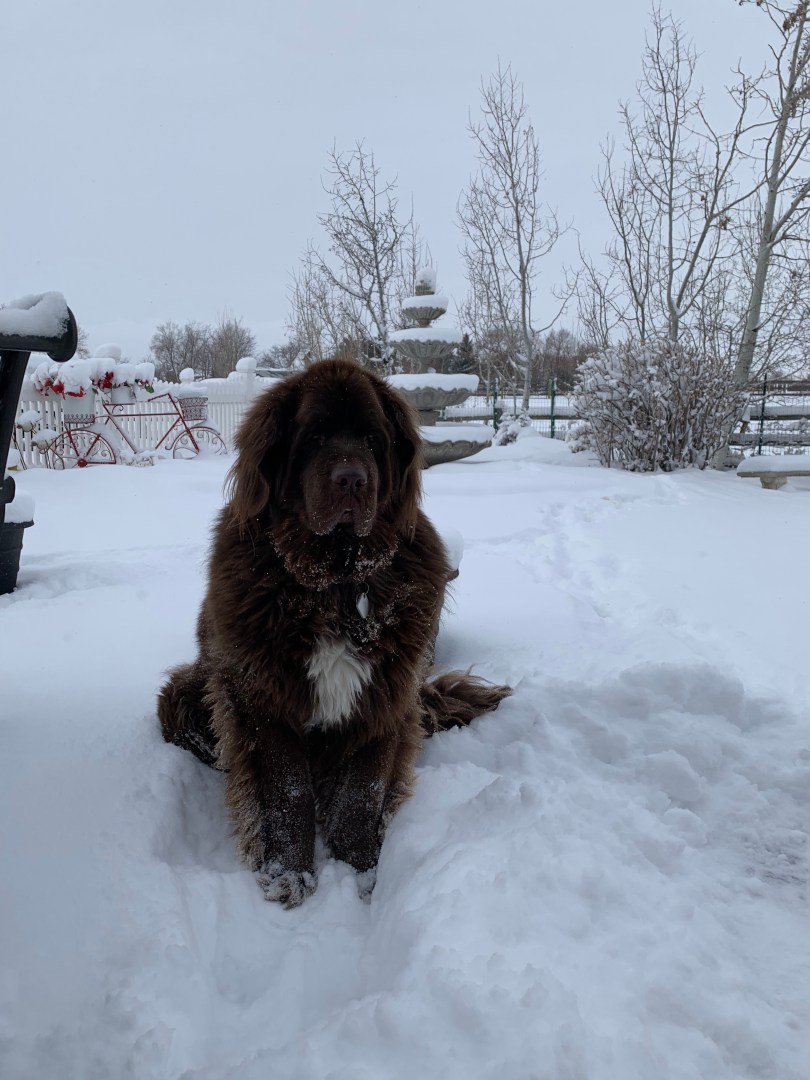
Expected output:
(228, 400)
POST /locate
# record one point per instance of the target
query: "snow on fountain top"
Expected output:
(426, 300)
(425, 277)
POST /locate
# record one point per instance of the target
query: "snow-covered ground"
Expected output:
(604, 880)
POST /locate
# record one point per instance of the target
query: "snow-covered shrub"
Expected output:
(578, 436)
(510, 427)
(655, 405)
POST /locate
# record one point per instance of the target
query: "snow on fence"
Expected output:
(228, 401)
(550, 416)
(777, 419)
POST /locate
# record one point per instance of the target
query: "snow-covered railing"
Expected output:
(541, 407)
(777, 419)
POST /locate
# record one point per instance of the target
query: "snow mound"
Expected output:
(607, 878)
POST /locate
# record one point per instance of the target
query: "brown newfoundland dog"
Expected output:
(326, 582)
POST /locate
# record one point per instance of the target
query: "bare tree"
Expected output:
(782, 338)
(175, 347)
(414, 255)
(230, 341)
(195, 348)
(507, 230)
(560, 353)
(326, 320)
(601, 301)
(670, 202)
(496, 338)
(782, 212)
(289, 355)
(165, 351)
(82, 347)
(353, 289)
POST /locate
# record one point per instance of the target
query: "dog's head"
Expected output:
(334, 446)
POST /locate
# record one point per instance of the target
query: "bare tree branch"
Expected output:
(506, 229)
(352, 290)
(782, 211)
(673, 199)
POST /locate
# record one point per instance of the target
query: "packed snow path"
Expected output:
(605, 880)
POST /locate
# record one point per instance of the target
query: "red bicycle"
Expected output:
(88, 440)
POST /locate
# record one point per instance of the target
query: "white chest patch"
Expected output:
(339, 675)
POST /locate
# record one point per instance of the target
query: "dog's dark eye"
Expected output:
(317, 439)
(372, 441)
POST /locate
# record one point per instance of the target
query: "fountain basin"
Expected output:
(445, 442)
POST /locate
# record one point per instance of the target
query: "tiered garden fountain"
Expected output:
(424, 348)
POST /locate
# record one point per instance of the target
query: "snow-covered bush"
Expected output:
(655, 405)
(578, 436)
(510, 427)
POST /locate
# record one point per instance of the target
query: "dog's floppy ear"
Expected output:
(257, 477)
(407, 472)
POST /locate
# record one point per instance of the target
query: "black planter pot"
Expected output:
(11, 540)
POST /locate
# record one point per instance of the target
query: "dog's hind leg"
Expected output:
(185, 718)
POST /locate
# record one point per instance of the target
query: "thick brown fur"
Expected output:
(326, 583)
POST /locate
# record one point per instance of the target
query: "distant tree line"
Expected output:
(212, 351)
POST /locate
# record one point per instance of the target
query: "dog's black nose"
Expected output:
(350, 479)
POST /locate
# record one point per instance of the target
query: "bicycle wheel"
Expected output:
(79, 447)
(198, 440)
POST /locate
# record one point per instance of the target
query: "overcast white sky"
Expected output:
(163, 160)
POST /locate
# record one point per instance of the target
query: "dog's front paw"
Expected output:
(366, 880)
(288, 887)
